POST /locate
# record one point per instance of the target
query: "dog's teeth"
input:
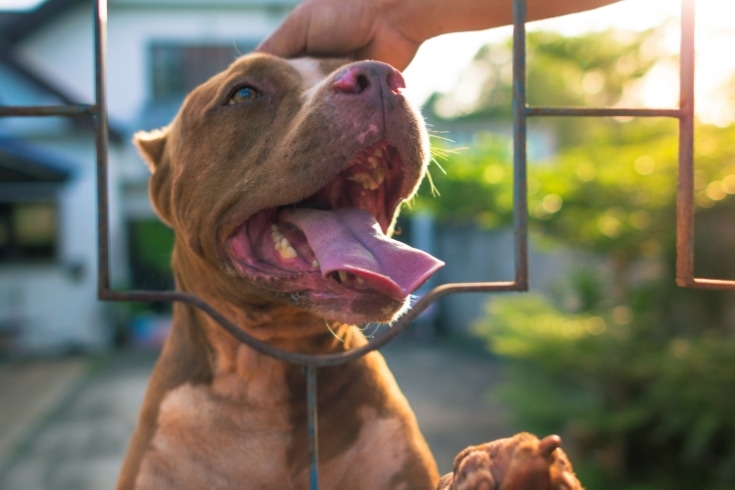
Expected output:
(276, 233)
(378, 176)
(286, 251)
(366, 180)
(315, 264)
(373, 161)
(281, 244)
(342, 276)
(359, 280)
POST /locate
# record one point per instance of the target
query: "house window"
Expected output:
(28, 231)
(178, 68)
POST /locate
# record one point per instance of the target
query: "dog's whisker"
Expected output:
(434, 190)
(375, 326)
(334, 334)
(433, 134)
(236, 48)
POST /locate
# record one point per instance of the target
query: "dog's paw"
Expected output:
(521, 462)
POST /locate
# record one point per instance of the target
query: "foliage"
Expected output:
(470, 185)
(635, 373)
(595, 69)
(639, 411)
(150, 243)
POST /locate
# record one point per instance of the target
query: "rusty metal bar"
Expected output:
(521, 111)
(685, 186)
(105, 293)
(304, 359)
(312, 422)
(520, 134)
(701, 283)
(685, 204)
(99, 112)
(601, 112)
(101, 145)
(45, 111)
(685, 189)
(685, 114)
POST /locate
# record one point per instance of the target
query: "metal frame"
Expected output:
(521, 112)
(684, 113)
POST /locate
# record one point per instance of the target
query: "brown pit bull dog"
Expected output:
(282, 180)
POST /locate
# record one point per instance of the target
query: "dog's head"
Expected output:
(285, 177)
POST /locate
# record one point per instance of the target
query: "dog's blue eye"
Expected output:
(243, 94)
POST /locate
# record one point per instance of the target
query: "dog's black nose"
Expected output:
(363, 76)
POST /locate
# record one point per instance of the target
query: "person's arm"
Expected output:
(393, 30)
(430, 18)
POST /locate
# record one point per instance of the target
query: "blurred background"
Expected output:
(637, 375)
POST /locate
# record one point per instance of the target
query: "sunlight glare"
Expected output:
(19, 4)
(440, 62)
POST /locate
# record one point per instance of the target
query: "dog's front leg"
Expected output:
(522, 462)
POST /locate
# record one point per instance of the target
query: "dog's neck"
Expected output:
(241, 372)
(237, 369)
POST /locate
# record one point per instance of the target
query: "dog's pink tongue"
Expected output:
(351, 240)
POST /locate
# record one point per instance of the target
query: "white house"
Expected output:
(157, 51)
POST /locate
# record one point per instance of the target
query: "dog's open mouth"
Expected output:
(334, 242)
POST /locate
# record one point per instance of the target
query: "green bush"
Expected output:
(637, 411)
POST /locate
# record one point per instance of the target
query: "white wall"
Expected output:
(132, 31)
(64, 51)
(57, 309)
(56, 312)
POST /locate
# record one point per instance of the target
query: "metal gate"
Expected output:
(521, 112)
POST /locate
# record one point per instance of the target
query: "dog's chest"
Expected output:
(201, 442)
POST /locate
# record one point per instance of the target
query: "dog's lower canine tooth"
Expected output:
(342, 276)
(286, 251)
(281, 244)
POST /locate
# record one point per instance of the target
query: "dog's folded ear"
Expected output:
(151, 144)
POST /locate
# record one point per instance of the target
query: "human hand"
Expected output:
(358, 29)
(392, 30)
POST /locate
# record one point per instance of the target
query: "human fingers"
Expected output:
(324, 28)
(289, 40)
(389, 47)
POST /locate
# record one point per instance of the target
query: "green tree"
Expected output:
(635, 373)
(595, 69)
